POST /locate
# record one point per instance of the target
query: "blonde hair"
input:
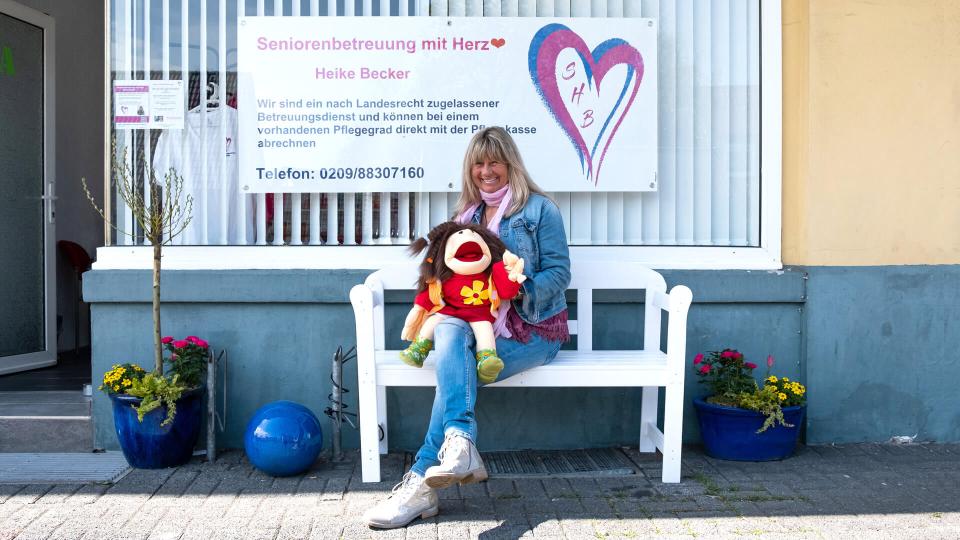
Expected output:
(494, 143)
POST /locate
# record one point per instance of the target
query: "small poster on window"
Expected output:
(148, 104)
(358, 104)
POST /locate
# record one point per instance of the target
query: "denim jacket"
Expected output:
(536, 235)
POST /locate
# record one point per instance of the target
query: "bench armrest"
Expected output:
(678, 305)
(362, 299)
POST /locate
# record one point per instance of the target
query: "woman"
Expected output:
(497, 193)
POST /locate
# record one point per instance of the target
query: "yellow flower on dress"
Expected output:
(782, 396)
(476, 295)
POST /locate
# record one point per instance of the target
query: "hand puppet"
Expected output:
(466, 273)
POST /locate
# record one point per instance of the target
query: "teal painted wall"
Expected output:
(279, 339)
(882, 349)
(282, 327)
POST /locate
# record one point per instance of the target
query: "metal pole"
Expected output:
(211, 408)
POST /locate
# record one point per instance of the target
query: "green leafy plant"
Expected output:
(188, 358)
(155, 391)
(731, 380)
(765, 401)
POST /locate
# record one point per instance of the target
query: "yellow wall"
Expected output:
(871, 163)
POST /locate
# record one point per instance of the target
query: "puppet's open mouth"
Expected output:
(469, 252)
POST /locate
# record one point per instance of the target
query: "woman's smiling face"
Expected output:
(489, 175)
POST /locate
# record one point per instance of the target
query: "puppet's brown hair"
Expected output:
(433, 266)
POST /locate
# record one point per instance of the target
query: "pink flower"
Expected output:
(166, 339)
(179, 344)
(192, 339)
(728, 354)
(704, 369)
(770, 361)
(174, 357)
(750, 365)
(201, 343)
(697, 359)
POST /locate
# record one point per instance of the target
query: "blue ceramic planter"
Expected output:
(731, 433)
(148, 445)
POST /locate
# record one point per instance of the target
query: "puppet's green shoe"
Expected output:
(488, 366)
(417, 352)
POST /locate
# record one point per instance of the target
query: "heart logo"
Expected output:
(498, 42)
(559, 55)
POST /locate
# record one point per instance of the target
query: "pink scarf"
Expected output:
(498, 198)
(502, 198)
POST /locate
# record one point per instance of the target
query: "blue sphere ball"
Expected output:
(283, 438)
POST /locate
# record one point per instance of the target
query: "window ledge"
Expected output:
(370, 257)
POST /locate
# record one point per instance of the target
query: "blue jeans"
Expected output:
(456, 394)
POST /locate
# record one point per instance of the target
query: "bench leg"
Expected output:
(369, 445)
(648, 416)
(382, 416)
(672, 433)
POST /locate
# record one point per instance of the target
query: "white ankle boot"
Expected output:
(411, 499)
(459, 462)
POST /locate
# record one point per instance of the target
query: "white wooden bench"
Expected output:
(649, 369)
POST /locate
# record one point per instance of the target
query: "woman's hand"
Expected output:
(514, 267)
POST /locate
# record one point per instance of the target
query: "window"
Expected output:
(717, 205)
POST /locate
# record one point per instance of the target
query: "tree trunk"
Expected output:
(157, 346)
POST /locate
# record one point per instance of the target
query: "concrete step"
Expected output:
(41, 422)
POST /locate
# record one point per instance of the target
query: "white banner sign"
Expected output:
(354, 104)
(148, 104)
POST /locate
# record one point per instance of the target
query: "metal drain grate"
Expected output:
(558, 463)
(105, 467)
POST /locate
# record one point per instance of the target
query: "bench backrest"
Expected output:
(585, 278)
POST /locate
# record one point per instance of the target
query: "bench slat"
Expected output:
(569, 368)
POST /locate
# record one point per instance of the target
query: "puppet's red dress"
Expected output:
(473, 297)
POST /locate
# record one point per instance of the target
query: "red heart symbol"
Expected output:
(498, 42)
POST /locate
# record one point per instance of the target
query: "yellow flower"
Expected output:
(476, 295)
(771, 379)
(782, 396)
(786, 379)
(127, 382)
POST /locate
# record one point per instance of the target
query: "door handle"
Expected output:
(50, 203)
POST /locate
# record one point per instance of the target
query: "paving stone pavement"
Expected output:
(850, 491)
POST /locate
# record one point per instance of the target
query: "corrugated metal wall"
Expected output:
(709, 122)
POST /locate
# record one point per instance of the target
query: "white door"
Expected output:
(27, 294)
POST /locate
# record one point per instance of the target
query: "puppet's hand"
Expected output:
(411, 326)
(514, 267)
